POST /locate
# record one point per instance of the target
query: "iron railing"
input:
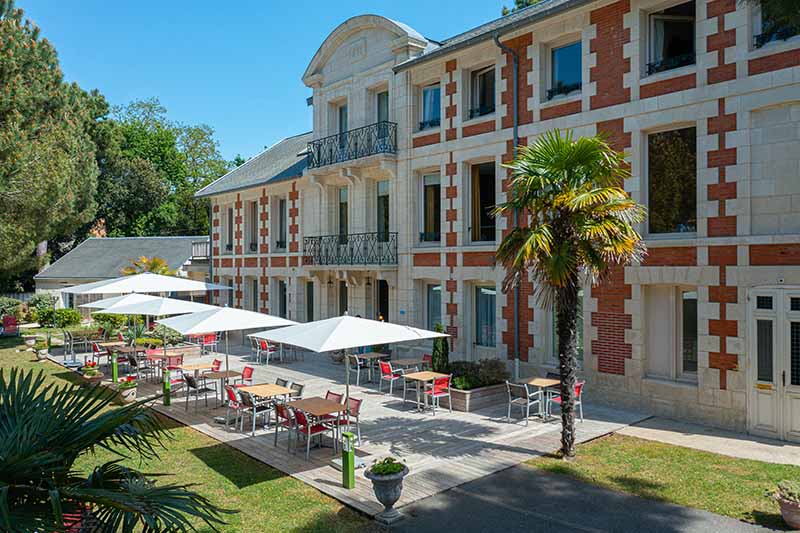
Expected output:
(481, 110)
(201, 249)
(378, 138)
(780, 34)
(430, 124)
(562, 88)
(670, 63)
(377, 248)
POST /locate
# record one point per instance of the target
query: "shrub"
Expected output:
(387, 467)
(41, 301)
(10, 306)
(441, 351)
(786, 491)
(469, 375)
(150, 342)
(172, 337)
(109, 322)
(59, 318)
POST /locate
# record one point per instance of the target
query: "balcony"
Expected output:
(378, 138)
(378, 248)
(201, 250)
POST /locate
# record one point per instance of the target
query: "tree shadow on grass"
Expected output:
(234, 466)
(769, 520)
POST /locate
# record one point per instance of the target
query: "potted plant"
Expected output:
(91, 373)
(787, 494)
(387, 483)
(30, 340)
(41, 350)
(127, 388)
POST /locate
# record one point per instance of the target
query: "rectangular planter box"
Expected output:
(471, 400)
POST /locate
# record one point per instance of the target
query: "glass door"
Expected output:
(790, 371)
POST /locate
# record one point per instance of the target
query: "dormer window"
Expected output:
(431, 107)
(482, 92)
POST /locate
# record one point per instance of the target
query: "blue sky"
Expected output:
(233, 65)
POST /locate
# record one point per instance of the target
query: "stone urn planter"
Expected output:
(41, 355)
(790, 511)
(787, 494)
(30, 341)
(128, 394)
(93, 379)
(387, 488)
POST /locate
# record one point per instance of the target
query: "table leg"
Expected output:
(542, 413)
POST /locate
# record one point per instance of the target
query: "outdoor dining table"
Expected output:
(266, 390)
(407, 362)
(196, 368)
(370, 358)
(317, 407)
(542, 384)
(222, 375)
(112, 344)
(420, 378)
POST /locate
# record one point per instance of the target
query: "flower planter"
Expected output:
(128, 394)
(469, 401)
(41, 355)
(30, 341)
(387, 490)
(93, 380)
(791, 513)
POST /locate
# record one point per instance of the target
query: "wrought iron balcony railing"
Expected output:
(378, 248)
(481, 110)
(430, 124)
(780, 34)
(201, 250)
(670, 63)
(378, 138)
(562, 88)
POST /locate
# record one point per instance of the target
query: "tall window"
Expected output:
(254, 295)
(769, 28)
(282, 223)
(431, 208)
(383, 211)
(578, 327)
(482, 92)
(341, 118)
(672, 181)
(484, 316)
(282, 303)
(230, 221)
(671, 332)
(309, 301)
(433, 299)
(343, 215)
(483, 200)
(382, 113)
(342, 298)
(565, 70)
(230, 293)
(431, 107)
(253, 226)
(671, 38)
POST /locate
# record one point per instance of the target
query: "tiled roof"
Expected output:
(283, 160)
(103, 258)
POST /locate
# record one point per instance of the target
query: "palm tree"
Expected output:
(44, 428)
(154, 265)
(581, 225)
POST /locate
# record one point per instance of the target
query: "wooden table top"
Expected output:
(316, 406)
(129, 349)
(112, 344)
(370, 355)
(424, 376)
(222, 374)
(407, 362)
(543, 382)
(196, 366)
(266, 390)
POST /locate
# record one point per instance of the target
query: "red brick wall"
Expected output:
(547, 113)
(722, 256)
(476, 259)
(788, 59)
(774, 254)
(520, 46)
(608, 44)
(432, 259)
(722, 225)
(477, 129)
(721, 40)
(451, 110)
(673, 256)
(294, 217)
(238, 249)
(426, 140)
(671, 85)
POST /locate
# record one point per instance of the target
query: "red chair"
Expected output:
(440, 389)
(427, 361)
(97, 353)
(334, 397)
(10, 326)
(391, 375)
(246, 379)
(556, 399)
(209, 341)
(120, 337)
(284, 419)
(216, 365)
(174, 362)
(264, 349)
(233, 405)
(310, 430)
(354, 407)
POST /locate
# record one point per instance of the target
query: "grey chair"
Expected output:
(297, 390)
(521, 395)
(197, 387)
(283, 382)
(251, 406)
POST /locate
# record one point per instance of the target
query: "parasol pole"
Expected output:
(226, 356)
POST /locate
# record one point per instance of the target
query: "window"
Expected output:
(229, 241)
(483, 188)
(671, 332)
(343, 215)
(253, 226)
(433, 298)
(671, 38)
(794, 353)
(764, 348)
(282, 303)
(382, 102)
(672, 181)
(341, 118)
(578, 327)
(230, 293)
(565, 70)
(484, 316)
(309, 301)
(431, 107)
(482, 92)
(342, 298)
(431, 208)
(282, 223)
(254, 295)
(383, 211)
(769, 27)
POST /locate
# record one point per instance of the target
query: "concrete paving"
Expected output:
(523, 498)
(715, 440)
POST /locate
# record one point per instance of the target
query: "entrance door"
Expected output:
(774, 319)
(383, 300)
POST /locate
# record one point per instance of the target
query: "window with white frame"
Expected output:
(382, 212)
(229, 221)
(671, 38)
(770, 25)
(482, 222)
(431, 208)
(482, 92)
(309, 301)
(578, 328)
(253, 294)
(565, 70)
(485, 315)
(283, 222)
(230, 292)
(283, 305)
(671, 332)
(253, 226)
(431, 107)
(433, 305)
(672, 181)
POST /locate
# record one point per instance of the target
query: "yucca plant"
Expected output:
(45, 428)
(581, 223)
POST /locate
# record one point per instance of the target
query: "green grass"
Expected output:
(720, 484)
(267, 499)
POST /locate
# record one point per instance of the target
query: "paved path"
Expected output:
(526, 499)
(715, 440)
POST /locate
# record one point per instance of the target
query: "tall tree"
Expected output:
(47, 161)
(580, 225)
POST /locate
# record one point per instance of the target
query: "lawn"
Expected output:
(267, 499)
(693, 478)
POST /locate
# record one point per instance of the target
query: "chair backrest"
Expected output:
(247, 372)
(96, 349)
(263, 344)
(386, 368)
(517, 390)
(427, 358)
(210, 338)
(441, 385)
(282, 382)
(298, 389)
(9, 322)
(230, 392)
(216, 365)
(247, 399)
(579, 389)
(281, 411)
(174, 360)
(354, 406)
(190, 381)
(300, 418)
(153, 351)
(334, 396)
(120, 337)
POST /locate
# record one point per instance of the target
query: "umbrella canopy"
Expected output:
(345, 332)
(155, 306)
(145, 282)
(125, 299)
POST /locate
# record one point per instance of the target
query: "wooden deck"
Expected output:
(441, 451)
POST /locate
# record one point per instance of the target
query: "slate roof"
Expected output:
(281, 161)
(103, 258)
(543, 9)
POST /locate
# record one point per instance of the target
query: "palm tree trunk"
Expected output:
(566, 329)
